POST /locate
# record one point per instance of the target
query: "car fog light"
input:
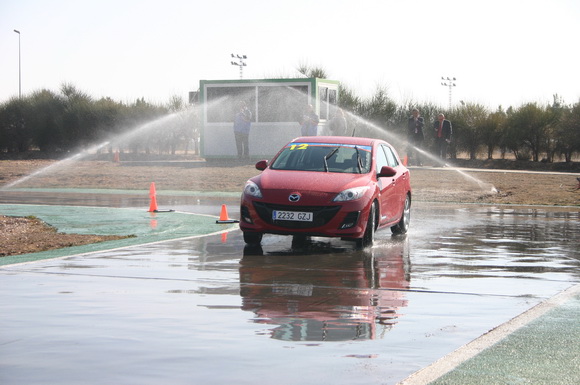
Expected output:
(350, 220)
(245, 214)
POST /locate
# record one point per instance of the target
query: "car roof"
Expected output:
(337, 139)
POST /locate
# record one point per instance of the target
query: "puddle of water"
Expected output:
(339, 297)
(199, 310)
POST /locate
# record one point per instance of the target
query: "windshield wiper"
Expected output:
(358, 160)
(328, 156)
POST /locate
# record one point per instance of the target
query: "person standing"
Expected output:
(415, 137)
(309, 122)
(443, 132)
(242, 124)
(338, 124)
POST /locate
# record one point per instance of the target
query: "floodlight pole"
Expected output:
(240, 63)
(19, 67)
(448, 82)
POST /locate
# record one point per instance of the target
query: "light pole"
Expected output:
(19, 68)
(448, 82)
(240, 63)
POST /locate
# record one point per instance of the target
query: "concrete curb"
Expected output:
(449, 362)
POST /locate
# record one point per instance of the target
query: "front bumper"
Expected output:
(337, 220)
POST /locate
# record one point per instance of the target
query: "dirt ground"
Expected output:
(20, 235)
(441, 184)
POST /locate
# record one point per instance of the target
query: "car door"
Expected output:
(388, 187)
(399, 182)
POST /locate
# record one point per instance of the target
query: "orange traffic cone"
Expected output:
(224, 237)
(224, 216)
(405, 161)
(153, 205)
(152, 195)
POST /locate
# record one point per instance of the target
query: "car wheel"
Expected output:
(369, 235)
(403, 225)
(252, 238)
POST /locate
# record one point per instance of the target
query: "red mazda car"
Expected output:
(328, 186)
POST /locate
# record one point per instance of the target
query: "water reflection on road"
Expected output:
(209, 310)
(322, 293)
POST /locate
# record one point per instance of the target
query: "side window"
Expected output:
(381, 159)
(391, 158)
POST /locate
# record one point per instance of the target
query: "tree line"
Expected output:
(531, 131)
(69, 120)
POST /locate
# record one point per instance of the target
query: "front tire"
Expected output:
(252, 238)
(369, 235)
(403, 226)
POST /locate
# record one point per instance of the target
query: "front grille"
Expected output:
(321, 215)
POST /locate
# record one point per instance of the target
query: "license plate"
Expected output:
(291, 216)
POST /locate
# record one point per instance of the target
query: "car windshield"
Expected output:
(324, 157)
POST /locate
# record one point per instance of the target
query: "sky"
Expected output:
(502, 52)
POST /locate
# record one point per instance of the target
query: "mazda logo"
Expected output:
(294, 197)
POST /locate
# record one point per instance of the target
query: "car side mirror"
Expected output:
(387, 171)
(262, 165)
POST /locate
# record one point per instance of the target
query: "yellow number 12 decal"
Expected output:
(301, 146)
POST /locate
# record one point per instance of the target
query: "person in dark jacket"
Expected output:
(415, 137)
(242, 124)
(443, 132)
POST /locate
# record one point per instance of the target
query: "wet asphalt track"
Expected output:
(207, 309)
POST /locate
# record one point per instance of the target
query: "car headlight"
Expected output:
(252, 189)
(351, 194)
